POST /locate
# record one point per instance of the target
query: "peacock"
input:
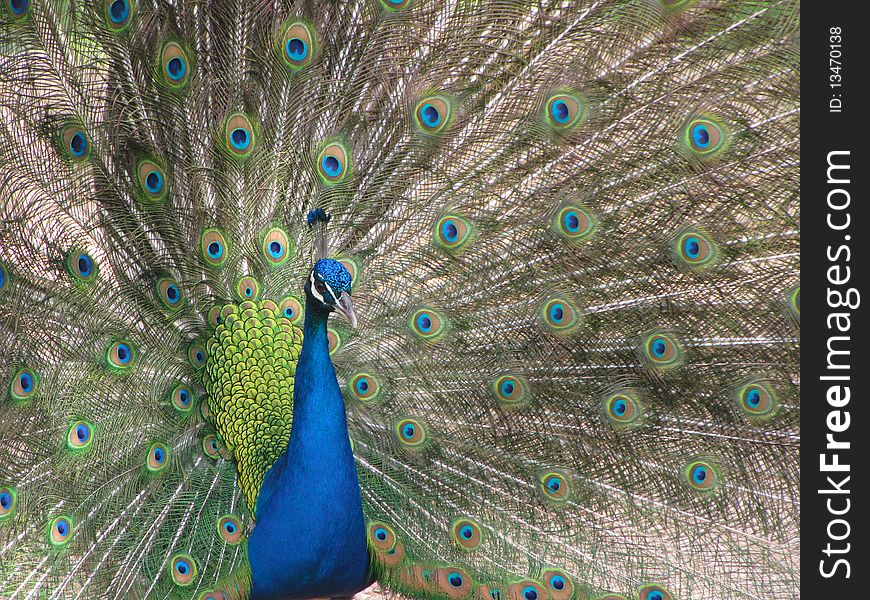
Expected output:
(475, 299)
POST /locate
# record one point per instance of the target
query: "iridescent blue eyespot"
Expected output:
(175, 65)
(564, 111)
(757, 399)
(662, 351)
(427, 324)
(381, 536)
(23, 385)
(701, 475)
(239, 135)
(230, 529)
(297, 49)
(154, 182)
(455, 580)
(8, 496)
(78, 145)
(119, 10)
(432, 114)
(692, 247)
(298, 44)
(213, 246)
(410, 432)
(554, 486)
(60, 531)
(331, 166)
(530, 593)
(79, 436)
(176, 68)
(120, 355)
(654, 592)
(81, 266)
(452, 232)
(364, 386)
(561, 113)
(240, 139)
(18, 7)
(275, 245)
(704, 136)
(557, 312)
(332, 163)
(289, 312)
(183, 569)
(560, 585)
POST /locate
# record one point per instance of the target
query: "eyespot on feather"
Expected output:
(24, 385)
(291, 309)
(297, 45)
(394, 5)
(694, 249)
(157, 457)
(661, 350)
(701, 475)
(560, 585)
(364, 387)
(182, 569)
(80, 436)
(654, 592)
(756, 399)
(392, 557)
(509, 390)
(622, 408)
(230, 529)
(333, 163)
(182, 399)
(239, 135)
(410, 433)
(565, 111)
(554, 486)
(277, 247)
(333, 340)
(433, 114)
(704, 137)
(454, 582)
(214, 247)
(560, 315)
(466, 533)
(81, 266)
(427, 324)
(175, 66)
(247, 288)
(382, 537)
(75, 143)
(211, 446)
(18, 9)
(574, 223)
(196, 356)
(60, 530)
(452, 232)
(527, 590)
(152, 181)
(169, 292)
(118, 14)
(121, 355)
(8, 502)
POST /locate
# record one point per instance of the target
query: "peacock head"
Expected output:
(328, 288)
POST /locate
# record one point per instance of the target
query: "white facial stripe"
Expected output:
(314, 289)
(329, 289)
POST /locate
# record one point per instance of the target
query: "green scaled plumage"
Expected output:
(573, 234)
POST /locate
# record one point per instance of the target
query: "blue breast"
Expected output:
(310, 539)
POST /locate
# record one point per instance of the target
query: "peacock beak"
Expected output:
(344, 306)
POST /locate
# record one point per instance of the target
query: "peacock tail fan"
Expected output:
(573, 234)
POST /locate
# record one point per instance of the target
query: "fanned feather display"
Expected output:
(572, 230)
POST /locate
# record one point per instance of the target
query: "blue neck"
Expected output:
(310, 537)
